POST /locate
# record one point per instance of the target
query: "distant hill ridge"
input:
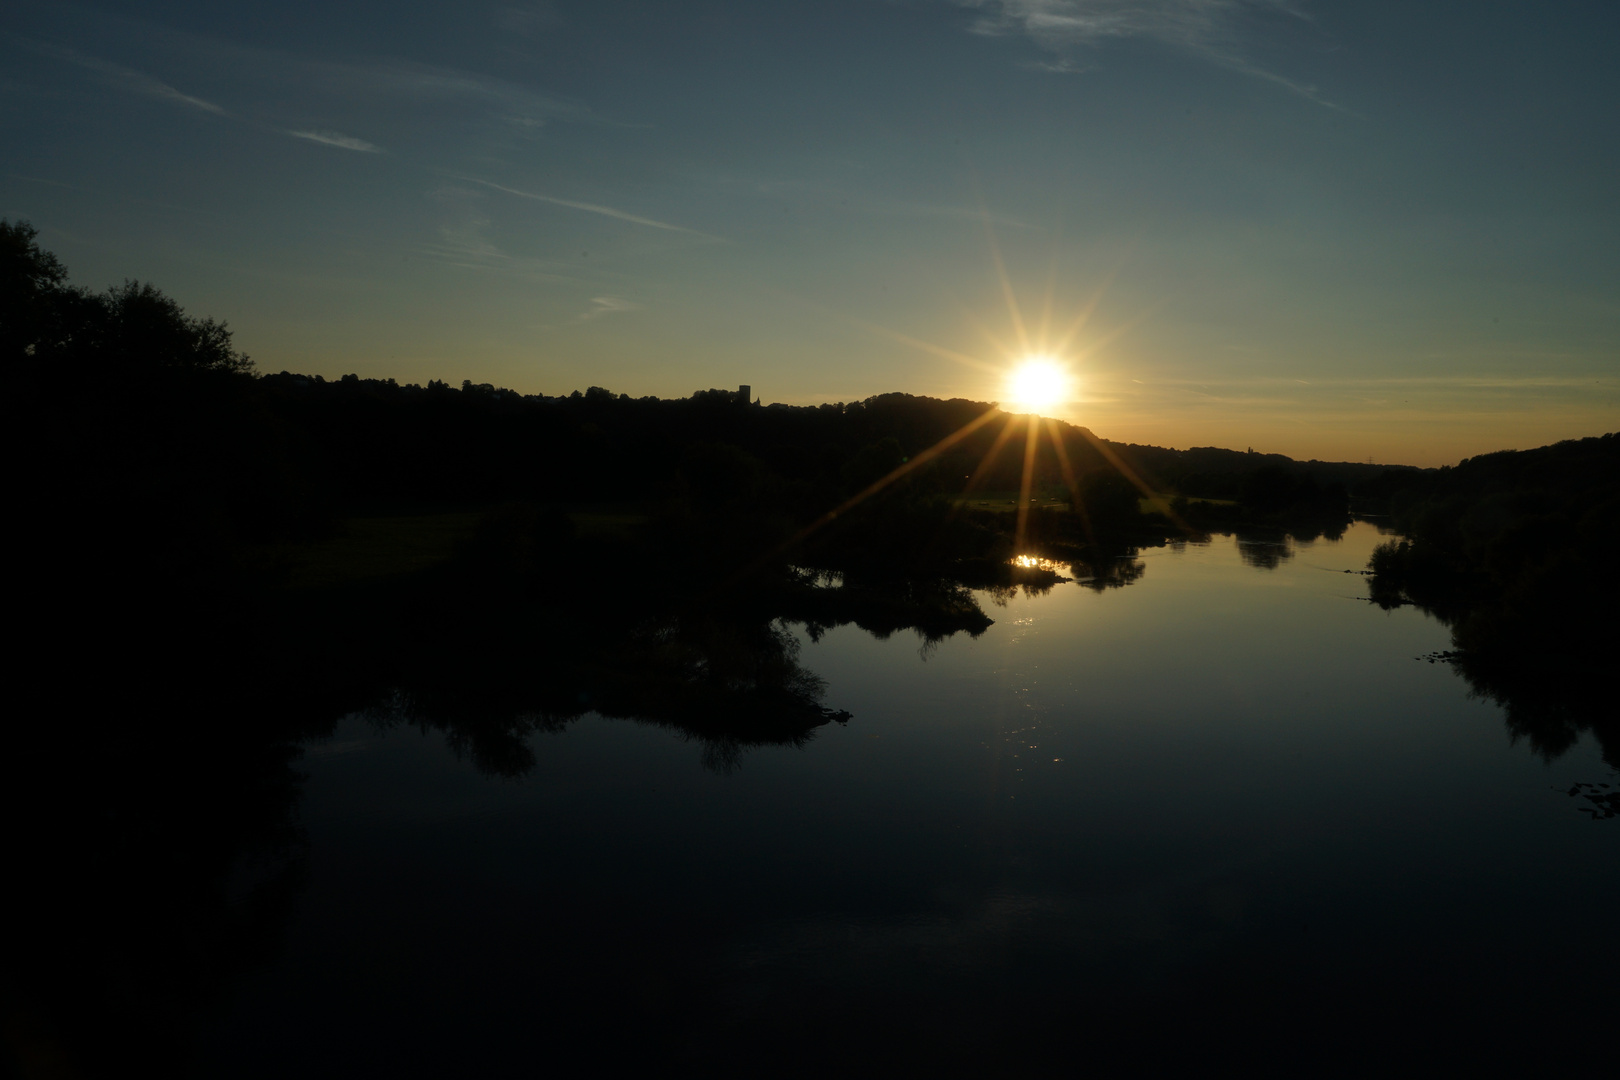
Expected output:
(791, 439)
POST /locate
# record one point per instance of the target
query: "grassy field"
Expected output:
(1006, 501)
(606, 519)
(370, 547)
(382, 546)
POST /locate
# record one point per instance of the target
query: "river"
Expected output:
(1225, 814)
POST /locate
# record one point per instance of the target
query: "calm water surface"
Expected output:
(1220, 815)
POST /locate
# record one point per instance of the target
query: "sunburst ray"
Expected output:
(1021, 533)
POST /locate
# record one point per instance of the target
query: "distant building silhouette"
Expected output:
(745, 394)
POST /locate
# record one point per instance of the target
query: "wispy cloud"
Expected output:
(836, 198)
(140, 83)
(1213, 29)
(1063, 65)
(126, 78)
(464, 241)
(606, 305)
(590, 208)
(334, 138)
(464, 234)
(401, 81)
(288, 82)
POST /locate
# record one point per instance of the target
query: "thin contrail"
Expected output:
(591, 208)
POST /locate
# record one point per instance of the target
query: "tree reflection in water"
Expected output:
(1264, 554)
(728, 687)
(1533, 648)
(156, 847)
(1551, 696)
(1269, 548)
(1511, 551)
(1109, 573)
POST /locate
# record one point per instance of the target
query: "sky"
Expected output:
(1342, 230)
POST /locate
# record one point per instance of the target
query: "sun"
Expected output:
(1039, 383)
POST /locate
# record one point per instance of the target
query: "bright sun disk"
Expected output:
(1039, 383)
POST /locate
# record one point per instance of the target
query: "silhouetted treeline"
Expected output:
(383, 444)
(1215, 473)
(1511, 550)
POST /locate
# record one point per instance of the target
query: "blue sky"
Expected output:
(1326, 229)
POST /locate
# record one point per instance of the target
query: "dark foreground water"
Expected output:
(1219, 817)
